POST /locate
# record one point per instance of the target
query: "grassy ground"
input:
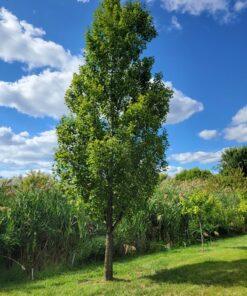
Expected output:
(220, 270)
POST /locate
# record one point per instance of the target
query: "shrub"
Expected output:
(192, 174)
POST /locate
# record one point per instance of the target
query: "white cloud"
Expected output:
(175, 24)
(237, 131)
(223, 10)
(182, 107)
(21, 41)
(241, 116)
(20, 153)
(37, 95)
(83, 1)
(199, 156)
(240, 5)
(174, 170)
(7, 137)
(208, 134)
(196, 7)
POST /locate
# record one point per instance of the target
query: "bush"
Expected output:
(192, 174)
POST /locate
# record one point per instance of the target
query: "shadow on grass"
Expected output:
(217, 273)
(15, 279)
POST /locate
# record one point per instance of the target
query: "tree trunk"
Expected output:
(108, 265)
(109, 256)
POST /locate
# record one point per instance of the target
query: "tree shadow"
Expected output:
(217, 273)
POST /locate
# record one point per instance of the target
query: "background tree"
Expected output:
(234, 158)
(110, 146)
(194, 173)
(202, 206)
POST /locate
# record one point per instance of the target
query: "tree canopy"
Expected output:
(234, 158)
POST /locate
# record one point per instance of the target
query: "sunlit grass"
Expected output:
(220, 270)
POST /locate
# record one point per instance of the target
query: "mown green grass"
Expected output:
(220, 270)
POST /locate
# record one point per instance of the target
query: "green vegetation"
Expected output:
(40, 226)
(111, 136)
(234, 158)
(220, 270)
(192, 174)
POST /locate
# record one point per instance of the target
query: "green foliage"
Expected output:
(234, 159)
(200, 204)
(133, 230)
(40, 225)
(110, 139)
(37, 222)
(204, 207)
(219, 202)
(192, 174)
(165, 213)
(162, 177)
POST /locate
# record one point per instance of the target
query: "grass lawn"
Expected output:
(220, 270)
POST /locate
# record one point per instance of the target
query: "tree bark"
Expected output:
(108, 265)
(109, 257)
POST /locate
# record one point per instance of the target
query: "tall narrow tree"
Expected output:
(110, 146)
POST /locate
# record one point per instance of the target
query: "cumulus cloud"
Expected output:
(7, 137)
(182, 107)
(196, 7)
(22, 42)
(208, 134)
(237, 131)
(20, 153)
(224, 10)
(38, 94)
(198, 156)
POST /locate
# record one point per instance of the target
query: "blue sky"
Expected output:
(201, 50)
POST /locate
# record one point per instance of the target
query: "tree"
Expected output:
(111, 145)
(194, 173)
(204, 208)
(234, 158)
